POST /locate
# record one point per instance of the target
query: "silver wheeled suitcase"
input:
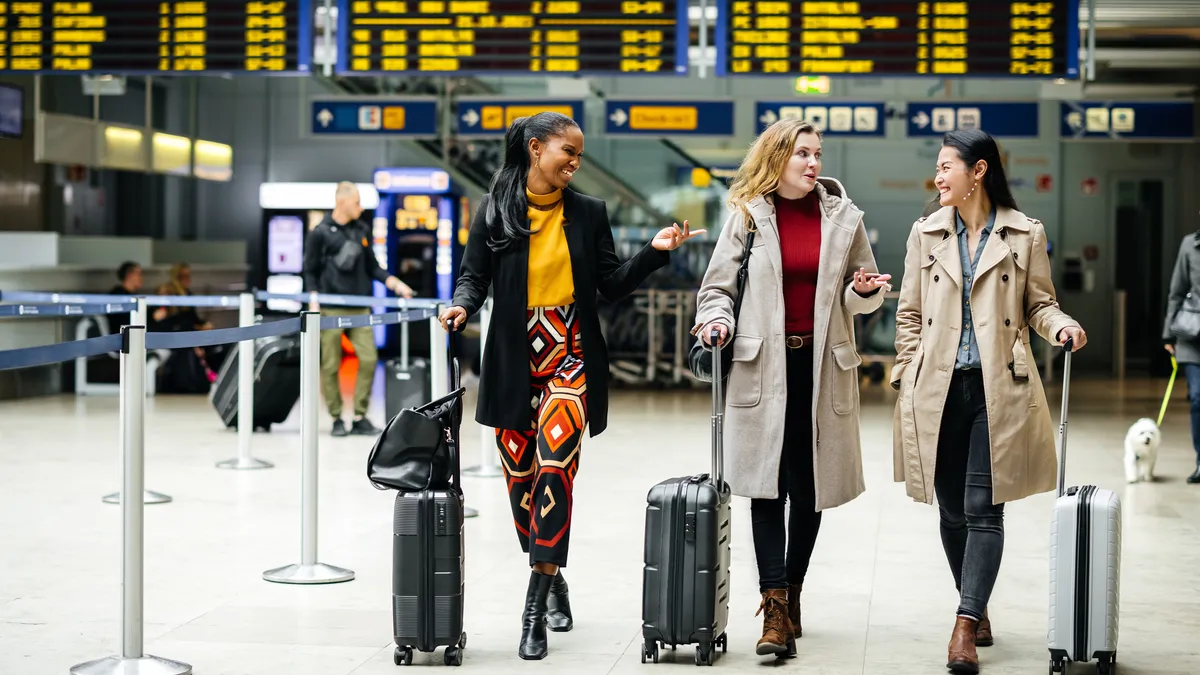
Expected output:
(1085, 566)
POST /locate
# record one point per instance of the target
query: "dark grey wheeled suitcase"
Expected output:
(276, 382)
(427, 560)
(685, 583)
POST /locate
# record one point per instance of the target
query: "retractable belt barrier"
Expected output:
(351, 300)
(132, 344)
(87, 309)
(229, 301)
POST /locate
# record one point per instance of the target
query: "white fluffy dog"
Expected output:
(1141, 450)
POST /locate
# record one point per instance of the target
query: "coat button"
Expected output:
(1010, 365)
(1015, 256)
(1007, 322)
(930, 322)
(931, 257)
(1004, 278)
(935, 277)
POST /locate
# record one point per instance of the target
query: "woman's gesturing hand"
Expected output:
(866, 283)
(670, 238)
(452, 318)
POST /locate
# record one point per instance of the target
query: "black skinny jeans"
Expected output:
(972, 527)
(783, 552)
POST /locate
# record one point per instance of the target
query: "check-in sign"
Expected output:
(493, 117)
(669, 118)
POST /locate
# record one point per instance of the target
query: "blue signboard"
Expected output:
(1122, 120)
(375, 117)
(833, 118)
(492, 117)
(668, 118)
(1011, 120)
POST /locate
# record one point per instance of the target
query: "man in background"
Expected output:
(338, 260)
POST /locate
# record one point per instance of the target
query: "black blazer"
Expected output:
(504, 386)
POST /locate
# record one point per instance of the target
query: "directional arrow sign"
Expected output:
(489, 116)
(834, 118)
(411, 117)
(668, 118)
(1009, 119)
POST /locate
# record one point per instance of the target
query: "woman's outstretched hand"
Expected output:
(670, 238)
(866, 283)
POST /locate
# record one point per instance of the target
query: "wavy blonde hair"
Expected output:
(759, 172)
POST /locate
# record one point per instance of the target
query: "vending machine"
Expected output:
(426, 220)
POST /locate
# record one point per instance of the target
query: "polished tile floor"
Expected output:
(879, 598)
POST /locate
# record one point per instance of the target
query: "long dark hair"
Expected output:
(974, 145)
(507, 208)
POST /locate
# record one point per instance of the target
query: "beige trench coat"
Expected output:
(756, 400)
(1012, 292)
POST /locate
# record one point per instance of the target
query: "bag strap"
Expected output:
(743, 271)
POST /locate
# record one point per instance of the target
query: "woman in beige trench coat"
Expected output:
(791, 416)
(972, 422)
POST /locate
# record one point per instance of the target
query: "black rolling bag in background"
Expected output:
(276, 382)
(420, 459)
(407, 382)
(685, 583)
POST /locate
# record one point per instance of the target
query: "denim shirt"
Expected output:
(968, 348)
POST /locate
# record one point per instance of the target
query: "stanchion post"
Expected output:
(133, 465)
(137, 317)
(245, 391)
(489, 461)
(309, 570)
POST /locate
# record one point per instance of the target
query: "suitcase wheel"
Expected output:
(454, 656)
(706, 654)
(402, 656)
(650, 651)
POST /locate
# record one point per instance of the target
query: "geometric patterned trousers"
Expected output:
(540, 461)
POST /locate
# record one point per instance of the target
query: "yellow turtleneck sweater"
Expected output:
(550, 281)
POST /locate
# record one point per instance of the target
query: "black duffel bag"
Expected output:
(418, 450)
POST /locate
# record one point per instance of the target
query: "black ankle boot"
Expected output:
(559, 614)
(1195, 477)
(533, 621)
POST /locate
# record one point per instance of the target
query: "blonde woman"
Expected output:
(795, 367)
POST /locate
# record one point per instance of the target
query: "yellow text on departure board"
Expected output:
(455, 35)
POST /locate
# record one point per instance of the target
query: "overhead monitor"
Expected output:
(883, 38)
(591, 37)
(153, 36)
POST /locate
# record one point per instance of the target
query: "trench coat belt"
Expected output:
(798, 341)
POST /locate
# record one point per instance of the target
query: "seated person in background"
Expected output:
(187, 371)
(131, 280)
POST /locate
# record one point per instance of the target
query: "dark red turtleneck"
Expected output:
(800, 245)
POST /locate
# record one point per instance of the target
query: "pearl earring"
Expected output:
(972, 191)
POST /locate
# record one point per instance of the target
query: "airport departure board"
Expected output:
(993, 38)
(153, 36)
(554, 36)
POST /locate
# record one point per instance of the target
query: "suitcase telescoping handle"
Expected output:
(718, 413)
(1068, 348)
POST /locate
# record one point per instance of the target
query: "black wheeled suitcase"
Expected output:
(276, 382)
(1085, 566)
(427, 558)
(407, 384)
(685, 582)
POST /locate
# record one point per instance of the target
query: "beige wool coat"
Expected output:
(756, 398)
(1012, 293)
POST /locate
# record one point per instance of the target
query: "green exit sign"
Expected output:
(810, 84)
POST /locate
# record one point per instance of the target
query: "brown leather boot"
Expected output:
(794, 616)
(777, 629)
(983, 634)
(962, 658)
